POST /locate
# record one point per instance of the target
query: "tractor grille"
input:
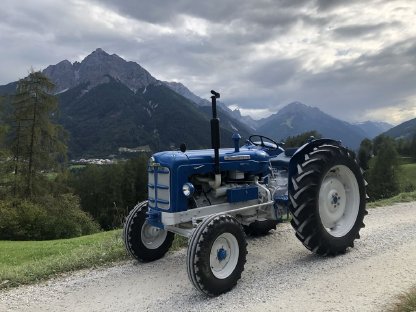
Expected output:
(159, 187)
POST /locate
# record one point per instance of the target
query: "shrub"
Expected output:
(44, 218)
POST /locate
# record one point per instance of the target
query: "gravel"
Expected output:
(280, 275)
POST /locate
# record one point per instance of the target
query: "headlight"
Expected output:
(188, 189)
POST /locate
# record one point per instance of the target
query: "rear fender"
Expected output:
(299, 156)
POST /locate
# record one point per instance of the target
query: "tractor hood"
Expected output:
(245, 160)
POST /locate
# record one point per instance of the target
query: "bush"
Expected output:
(44, 218)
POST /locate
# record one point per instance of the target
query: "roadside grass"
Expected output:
(401, 198)
(406, 302)
(25, 262)
(407, 175)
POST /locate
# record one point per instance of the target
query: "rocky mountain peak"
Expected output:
(94, 67)
(296, 107)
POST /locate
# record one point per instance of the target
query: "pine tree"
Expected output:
(383, 174)
(365, 153)
(300, 139)
(39, 142)
(5, 163)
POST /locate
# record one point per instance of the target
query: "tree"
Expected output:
(413, 147)
(38, 143)
(384, 172)
(298, 140)
(365, 153)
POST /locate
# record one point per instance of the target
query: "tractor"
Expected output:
(215, 197)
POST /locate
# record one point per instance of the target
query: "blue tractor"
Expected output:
(215, 197)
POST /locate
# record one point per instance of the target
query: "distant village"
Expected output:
(112, 158)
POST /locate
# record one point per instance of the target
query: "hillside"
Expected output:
(110, 116)
(405, 130)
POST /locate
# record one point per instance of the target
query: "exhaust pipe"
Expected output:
(215, 136)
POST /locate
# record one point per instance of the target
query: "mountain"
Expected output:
(373, 128)
(108, 104)
(95, 68)
(296, 118)
(252, 123)
(227, 116)
(405, 130)
(110, 116)
(185, 92)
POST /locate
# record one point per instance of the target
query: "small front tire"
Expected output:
(216, 255)
(143, 241)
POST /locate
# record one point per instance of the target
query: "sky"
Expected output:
(355, 60)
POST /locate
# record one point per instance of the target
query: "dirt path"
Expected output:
(280, 275)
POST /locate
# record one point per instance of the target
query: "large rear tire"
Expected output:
(327, 200)
(216, 255)
(143, 241)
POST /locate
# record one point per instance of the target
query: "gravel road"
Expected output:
(280, 275)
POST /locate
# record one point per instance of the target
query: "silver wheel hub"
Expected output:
(152, 237)
(224, 255)
(339, 200)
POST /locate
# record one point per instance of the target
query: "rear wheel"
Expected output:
(143, 241)
(216, 255)
(327, 200)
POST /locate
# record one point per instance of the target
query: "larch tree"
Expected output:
(39, 141)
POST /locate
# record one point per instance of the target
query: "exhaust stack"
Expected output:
(215, 132)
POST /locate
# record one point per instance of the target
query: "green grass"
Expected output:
(24, 262)
(401, 198)
(27, 262)
(407, 175)
(406, 303)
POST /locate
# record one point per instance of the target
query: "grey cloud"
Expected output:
(274, 73)
(225, 57)
(362, 30)
(265, 13)
(373, 81)
(327, 5)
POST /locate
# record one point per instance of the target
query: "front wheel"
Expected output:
(216, 255)
(327, 200)
(143, 241)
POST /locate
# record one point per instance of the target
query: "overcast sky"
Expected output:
(355, 60)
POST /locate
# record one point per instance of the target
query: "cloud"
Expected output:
(348, 58)
(353, 31)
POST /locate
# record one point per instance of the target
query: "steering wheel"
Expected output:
(264, 141)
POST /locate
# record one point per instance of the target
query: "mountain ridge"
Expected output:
(76, 80)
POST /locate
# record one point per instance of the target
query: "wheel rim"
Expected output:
(152, 237)
(339, 200)
(224, 255)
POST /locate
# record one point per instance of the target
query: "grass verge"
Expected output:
(401, 198)
(24, 262)
(406, 303)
